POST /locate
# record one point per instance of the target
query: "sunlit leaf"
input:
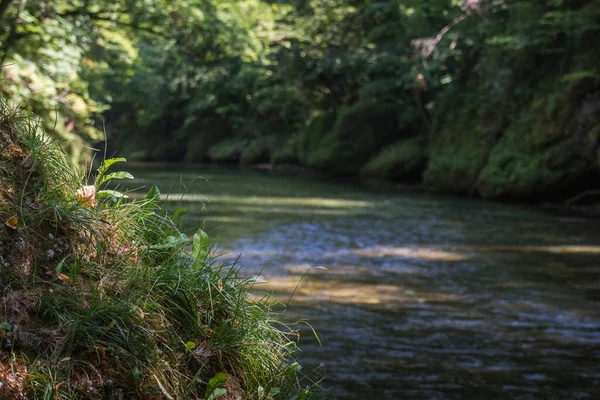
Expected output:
(189, 346)
(102, 194)
(115, 175)
(218, 392)
(200, 245)
(12, 222)
(107, 163)
(212, 389)
(63, 277)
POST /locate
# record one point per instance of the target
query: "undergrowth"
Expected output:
(104, 298)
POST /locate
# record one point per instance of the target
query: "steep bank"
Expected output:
(499, 135)
(495, 99)
(101, 299)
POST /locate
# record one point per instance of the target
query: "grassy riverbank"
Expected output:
(102, 299)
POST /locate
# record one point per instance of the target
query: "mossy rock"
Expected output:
(257, 151)
(228, 151)
(202, 136)
(462, 139)
(198, 147)
(289, 153)
(404, 160)
(173, 150)
(310, 140)
(358, 133)
(541, 153)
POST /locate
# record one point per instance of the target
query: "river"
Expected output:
(413, 295)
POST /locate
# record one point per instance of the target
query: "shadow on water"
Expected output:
(413, 296)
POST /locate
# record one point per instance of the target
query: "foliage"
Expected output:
(214, 80)
(101, 297)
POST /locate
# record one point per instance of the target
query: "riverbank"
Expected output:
(587, 205)
(102, 299)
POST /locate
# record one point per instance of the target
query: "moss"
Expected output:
(461, 140)
(289, 153)
(403, 160)
(549, 146)
(198, 147)
(316, 133)
(228, 151)
(359, 131)
(257, 151)
(173, 150)
(202, 136)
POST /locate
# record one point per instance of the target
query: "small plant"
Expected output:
(124, 304)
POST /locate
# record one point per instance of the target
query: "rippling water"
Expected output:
(412, 295)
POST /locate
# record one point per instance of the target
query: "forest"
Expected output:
(324, 229)
(491, 98)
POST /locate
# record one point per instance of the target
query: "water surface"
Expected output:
(413, 295)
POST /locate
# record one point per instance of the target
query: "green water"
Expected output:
(412, 295)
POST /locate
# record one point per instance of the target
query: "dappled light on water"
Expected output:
(422, 253)
(413, 293)
(321, 202)
(554, 249)
(313, 290)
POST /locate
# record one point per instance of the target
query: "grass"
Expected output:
(105, 298)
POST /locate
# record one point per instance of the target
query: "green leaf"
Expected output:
(59, 267)
(189, 346)
(218, 392)
(153, 193)
(115, 175)
(171, 241)
(179, 211)
(105, 166)
(200, 246)
(212, 389)
(295, 367)
(5, 326)
(274, 391)
(107, 163)
(136, 374)
(102, 194)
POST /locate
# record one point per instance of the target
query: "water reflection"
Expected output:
(413, 296)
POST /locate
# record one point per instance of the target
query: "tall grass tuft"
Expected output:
(117, 302)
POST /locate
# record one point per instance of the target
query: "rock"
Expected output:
(342, 146)
(228, 151)
(404, 160)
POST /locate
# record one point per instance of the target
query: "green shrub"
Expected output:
(103, 298)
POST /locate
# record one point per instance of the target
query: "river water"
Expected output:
(413, 295)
